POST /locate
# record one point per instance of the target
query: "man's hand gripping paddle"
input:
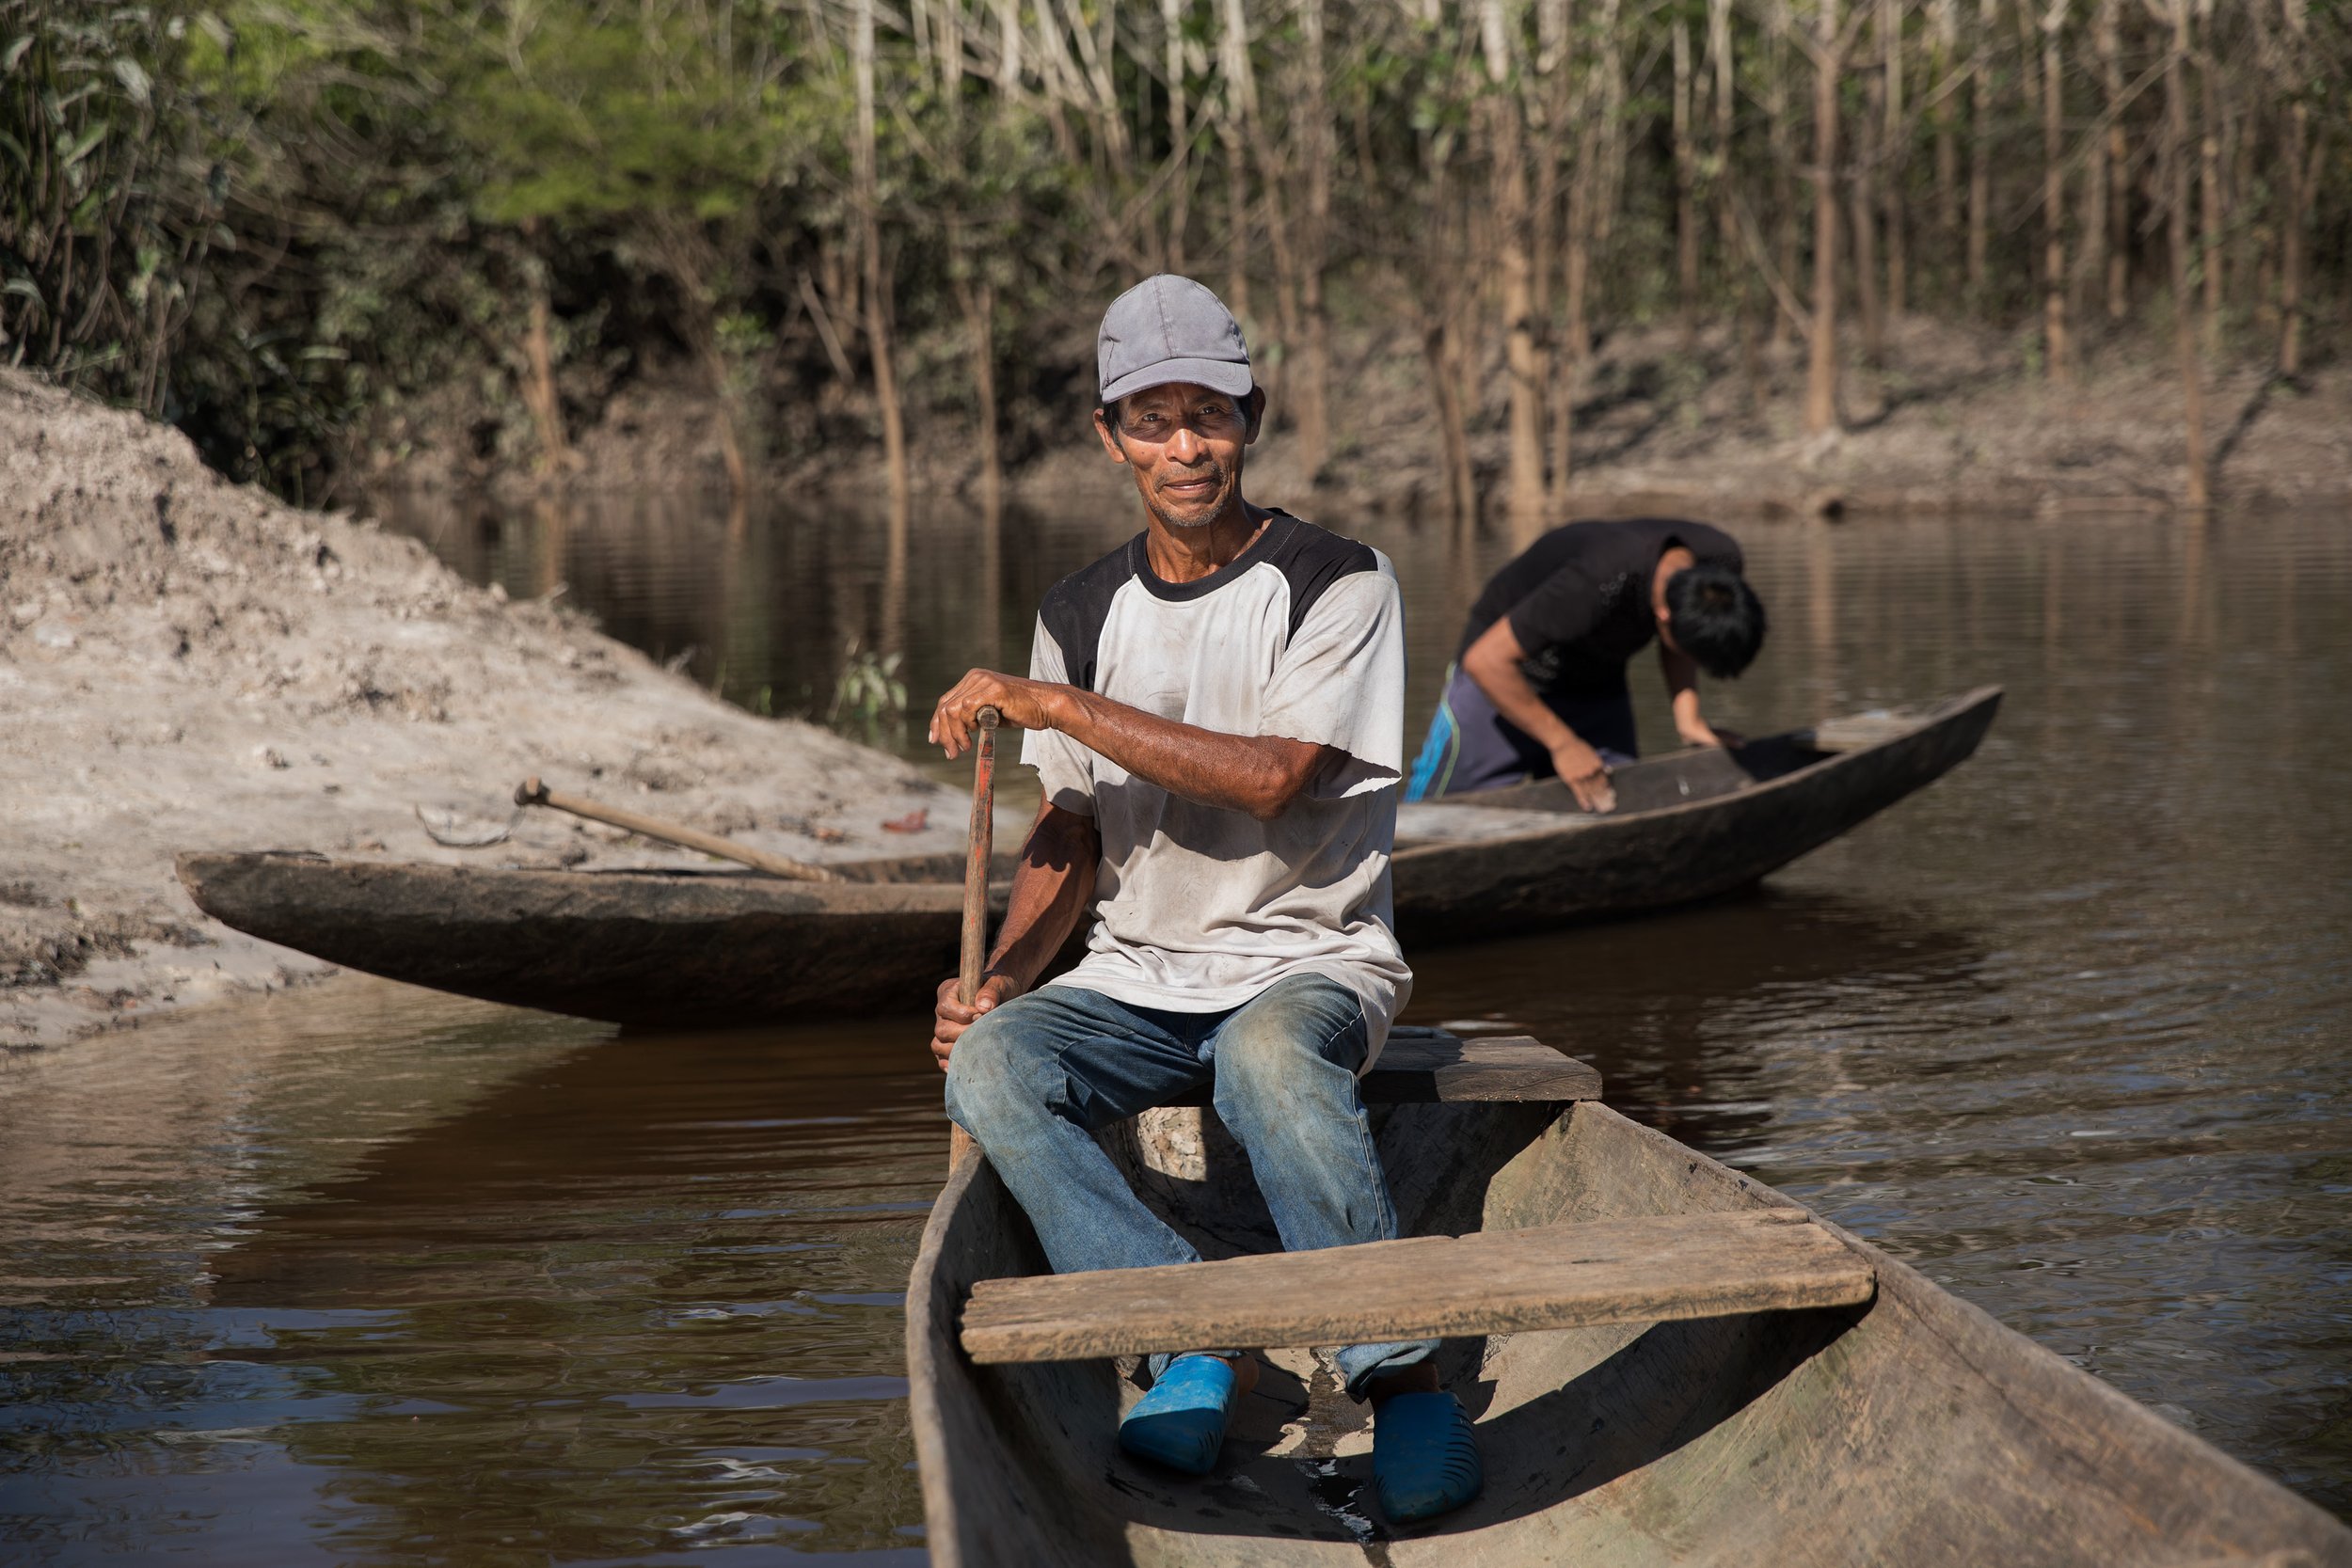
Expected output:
(981, 848)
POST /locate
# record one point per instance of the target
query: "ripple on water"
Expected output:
(551, 1308)
(406, 1278)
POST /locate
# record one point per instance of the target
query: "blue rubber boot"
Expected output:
(1181, 1422)
(1425, 1460)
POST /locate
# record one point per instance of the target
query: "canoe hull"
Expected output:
(657, 949)
(1912, 1430)
(1717, 842)
(693, 949)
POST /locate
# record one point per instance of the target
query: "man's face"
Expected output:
(1185, 444)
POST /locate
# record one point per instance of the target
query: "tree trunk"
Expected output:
(2297, 133)
(1277, 373)
(2117, 159)
(979, 300)
(1575, 343)
(1778, 121)
(2176, 152)
(1944, 27)
(539, 394)
(1612, 125)
(1726, 195)
(877, 285)
(2209, 249)
(2092, 263)
(687, 257)
(1864, 195)
(1686, 188)
(1236, 222)
(1551, 94)
(2057, 346)
(1820, 382)
(1311, 397)
(1440, 354)
(1895, 143)
(1235, 129)
(1523, 366)
(1178, 136)
(1981, 152)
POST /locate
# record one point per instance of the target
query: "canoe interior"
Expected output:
(1911, 1430)
(1690, 826)
(1675, 779)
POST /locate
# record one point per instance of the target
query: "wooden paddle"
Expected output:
(982, 845)
(531, 792)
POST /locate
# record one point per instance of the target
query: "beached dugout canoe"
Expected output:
(1668, 1363)
(689, 948)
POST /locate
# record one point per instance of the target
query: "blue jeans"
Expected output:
(1471, 747)
(1033, 1080)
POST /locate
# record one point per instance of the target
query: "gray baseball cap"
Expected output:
(1169, 329)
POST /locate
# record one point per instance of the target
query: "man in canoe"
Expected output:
(1215, 710)
(1538, 686)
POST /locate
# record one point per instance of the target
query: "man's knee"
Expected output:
(1293, 1035)
(991, 1072)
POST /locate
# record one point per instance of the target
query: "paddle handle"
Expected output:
(982, 847)
(531, 792)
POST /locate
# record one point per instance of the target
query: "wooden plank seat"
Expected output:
(1648, 1269)
(1493, 1282)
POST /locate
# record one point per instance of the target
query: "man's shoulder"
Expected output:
(1704, 540)
(1074, 609)
(1314, 560)
(1100, 577)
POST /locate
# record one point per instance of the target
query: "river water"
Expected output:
(368, 1274)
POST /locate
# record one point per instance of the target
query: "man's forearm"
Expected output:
(1518, 700)
(1254, 774)
(1049, 890)
(1682, 689)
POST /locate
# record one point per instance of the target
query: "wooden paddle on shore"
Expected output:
(981, 846)
(531, 792)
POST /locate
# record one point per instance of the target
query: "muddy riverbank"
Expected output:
(187, 663)
(1953, 420)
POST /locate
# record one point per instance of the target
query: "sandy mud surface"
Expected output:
(185, 663)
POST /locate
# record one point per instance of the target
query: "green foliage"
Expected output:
(292, 224)
(868, 696)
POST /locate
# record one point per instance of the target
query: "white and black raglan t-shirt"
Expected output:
(1301, 636)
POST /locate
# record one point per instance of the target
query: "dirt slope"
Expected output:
(186, 664)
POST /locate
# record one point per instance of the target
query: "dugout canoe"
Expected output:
(696, 948)
(1898, 1425)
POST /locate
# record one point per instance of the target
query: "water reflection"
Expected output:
(587, 1298)
(428, 1279)
(1670, 1009)
(647, 1298)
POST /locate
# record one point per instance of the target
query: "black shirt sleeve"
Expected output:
(1711, 545)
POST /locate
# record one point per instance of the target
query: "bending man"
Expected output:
(1538, 687)
(1215, 712)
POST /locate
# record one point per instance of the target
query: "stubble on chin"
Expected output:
(1198, 516)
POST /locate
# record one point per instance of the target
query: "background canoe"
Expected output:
(1912, 1429)
(693, 948)
(1690, 825)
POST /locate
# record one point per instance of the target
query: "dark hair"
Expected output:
(1715, 617)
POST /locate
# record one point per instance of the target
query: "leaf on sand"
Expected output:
(913, 822)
